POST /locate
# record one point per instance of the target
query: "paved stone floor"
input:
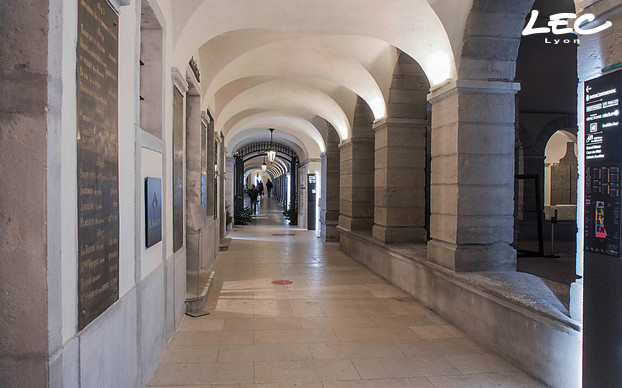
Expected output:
(337, 325)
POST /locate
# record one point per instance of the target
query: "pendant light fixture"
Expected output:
(271, 150)
(264, 166)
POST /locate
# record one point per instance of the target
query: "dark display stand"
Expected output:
(602, 315)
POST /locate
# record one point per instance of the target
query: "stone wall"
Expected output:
(24, 117)
(564, 177)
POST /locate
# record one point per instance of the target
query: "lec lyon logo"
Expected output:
(559, 24)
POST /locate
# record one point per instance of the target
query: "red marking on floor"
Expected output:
(282, 282)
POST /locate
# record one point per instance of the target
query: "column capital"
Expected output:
(194, 88)
(381, 123)
(472, 86)
(357, 140)
(179, 80)
(117, 4)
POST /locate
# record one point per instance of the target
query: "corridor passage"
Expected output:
(336, 325)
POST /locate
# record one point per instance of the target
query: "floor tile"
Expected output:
(197, 374)
(212, 337)
(479, 363)
(317, 370)
(206, 323)
(276, 352)
(336, 322)
(382, 368)
(496, 380)
(442, 331)
(262, 324)
(443, 346)
(190, 354)
(272, 385)
(294, 336)
(413, 382)
(375, 334)
(355, 350)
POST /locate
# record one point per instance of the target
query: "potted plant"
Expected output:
(291, 215)
(245, 217)
(228, 218)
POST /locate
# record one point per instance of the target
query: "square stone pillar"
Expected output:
(329, 213)
(356, 186)
(399, 196)
(472, 176)
(193, 174)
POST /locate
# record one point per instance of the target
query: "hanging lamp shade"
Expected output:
(271, 155)
(264, 166)
(271, 150)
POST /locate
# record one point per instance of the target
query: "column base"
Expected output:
(356, 223)
(472, 258)
(329, 232)
(399, 234)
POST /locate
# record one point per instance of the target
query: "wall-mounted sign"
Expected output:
(603, 163)
(98, 176)
(153, 210)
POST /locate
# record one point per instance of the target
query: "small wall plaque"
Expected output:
(153, 210)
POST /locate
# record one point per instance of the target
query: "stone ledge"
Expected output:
(513, 314)
(516, 288)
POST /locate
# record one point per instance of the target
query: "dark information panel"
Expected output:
(178, 170)
(98, 178)
(311, 198)
(602, 267)
(603, 161)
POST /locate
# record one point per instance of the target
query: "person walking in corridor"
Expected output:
(260, 188)
(269, 187)
(253, 193)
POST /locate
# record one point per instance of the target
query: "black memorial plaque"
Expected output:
(178, 170)
(98, 181)
(153, 210)
(603, 161)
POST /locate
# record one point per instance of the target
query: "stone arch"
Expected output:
(564, 122)
(434, 52)
(491, 39)
(523, 138)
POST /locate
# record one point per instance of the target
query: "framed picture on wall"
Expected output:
(153, 210)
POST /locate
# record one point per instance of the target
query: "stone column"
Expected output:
(193, 173)
(211, 195)
(356, 171)
(221, 187)
(399, 197)
(229, 182)
(356, 201)
(329, 215)
(472, 182)
(238, 186)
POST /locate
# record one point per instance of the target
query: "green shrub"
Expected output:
(229, 217)
(291, 215)
(245, 217)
